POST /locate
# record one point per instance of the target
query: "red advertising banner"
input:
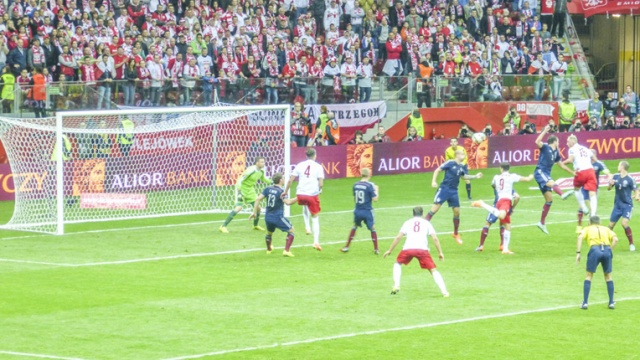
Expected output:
(595, 7)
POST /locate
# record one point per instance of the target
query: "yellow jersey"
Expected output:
(450, 154)
(597, 235)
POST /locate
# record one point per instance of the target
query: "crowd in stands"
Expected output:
(177, 52)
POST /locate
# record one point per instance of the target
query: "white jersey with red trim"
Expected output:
(581, 157)
(417, 230)
(308, 172)
(503, 184)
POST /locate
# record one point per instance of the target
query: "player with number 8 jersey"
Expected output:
(310, 177)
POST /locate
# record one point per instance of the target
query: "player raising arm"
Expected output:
(448, 190)
(549, 155)
(583, 173)
(246, 192)
(364, 192)
(417, 230)
(626, 191)
(504, 186)
(598, 167)
(450, 154)
(310, 177)
(274, 217)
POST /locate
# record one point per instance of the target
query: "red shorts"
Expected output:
(423, 256)
(586, 179)
(313, 202)
(504, 205)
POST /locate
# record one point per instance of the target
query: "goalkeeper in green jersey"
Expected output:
(246, 192)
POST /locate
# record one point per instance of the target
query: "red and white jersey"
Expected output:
(581, 157)
(503, 184)
(417, 230)
(308, 172)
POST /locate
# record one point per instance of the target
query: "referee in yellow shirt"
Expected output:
(601, 241)
(450, 154)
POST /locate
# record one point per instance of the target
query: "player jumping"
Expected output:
(274, 217)
(310, 177)
(549, 155)
(598, 167)
(364, 192)
(450, 154)
(626, 191)
(246, 192)
(448, 190)
(504, 186)
(584, 174)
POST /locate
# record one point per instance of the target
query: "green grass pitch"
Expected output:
(176, 288)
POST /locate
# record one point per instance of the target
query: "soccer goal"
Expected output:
(90, 166)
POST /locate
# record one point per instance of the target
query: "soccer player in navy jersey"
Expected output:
(549, 155)
(448, 189)
(491, 219)
(626, 191)
(274, 218)
(599, 167)
(364, 193)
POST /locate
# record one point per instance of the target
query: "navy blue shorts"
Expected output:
(600, 255)
(585, 193)
(363, 215)
(277, 222)
(542, 179)
(620, 211)
(449, 195)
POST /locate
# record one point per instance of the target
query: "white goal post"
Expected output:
(88, 166)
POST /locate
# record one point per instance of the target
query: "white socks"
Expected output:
(306, 215)
(397, 273)
(493, 211)
(581, 202)
(439, 281)
(507, 239)
(593, 203)
(315, 229)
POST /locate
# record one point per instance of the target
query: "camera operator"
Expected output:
(592, 125)
(464, 132)
(317, 140)
(637, 123)
(621, 112)
(512, 120)
(527, 129)
(380, 136)
(553, 128)
(413, 135)
(300, 126)
(488, 130)
(358, 138)
(576, 126)
(626, 123)
(610, 123)
(505, 132)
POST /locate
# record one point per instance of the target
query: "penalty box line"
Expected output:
(39, 356)
(229, 252)
(164, 226)
(389, 330)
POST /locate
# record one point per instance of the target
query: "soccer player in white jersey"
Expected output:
(503, 184)
(417, 230)
(310, 177)
(584, 175)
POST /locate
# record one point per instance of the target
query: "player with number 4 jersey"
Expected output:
(364, 193)
(274, 217)
(503, 184)
(626, 192)
(310, 177)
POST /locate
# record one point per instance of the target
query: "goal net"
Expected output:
(112, 165)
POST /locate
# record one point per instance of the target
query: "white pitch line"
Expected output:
(227, 252)
(382, 331)
(165, 226)
(41, 356)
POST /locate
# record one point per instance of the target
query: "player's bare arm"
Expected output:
(286, 188)
(434, 179)
(526, 178)
(563, 165)
(320, 184)
(471, 177)
(436, 243)
(393, 245)
(290, 201)
(544, 132)
(611, 184)
(256, 207)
